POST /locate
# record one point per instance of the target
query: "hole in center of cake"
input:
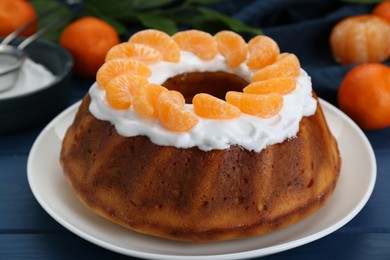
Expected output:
(213, 83)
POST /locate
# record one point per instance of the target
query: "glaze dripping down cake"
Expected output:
(201, 138)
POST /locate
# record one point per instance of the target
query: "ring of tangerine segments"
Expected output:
(286, 65)
(232, 46)
(153, 100)
(140, 52)
(114, 68)
(172, 114)
(160, 41)
(281, 85)
(200, 43)
(208, 106)
(263, 51)
(120, 90)
(263, 106)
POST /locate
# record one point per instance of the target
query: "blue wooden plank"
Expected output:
(68, 246)
(51, 246)
(375, 214)
(19, 208)
(79, 88)
(18, 142)
(379, 139)
(342, 246)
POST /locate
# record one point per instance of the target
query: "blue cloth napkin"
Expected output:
(301, 27)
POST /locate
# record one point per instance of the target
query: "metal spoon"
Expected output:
(11, 61)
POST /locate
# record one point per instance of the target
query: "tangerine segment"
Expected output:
(145, 99)
(135, 51)
(263, 51)
(175, 97)
(200, 43)
(160, 41)
(172, 113)
(120, 90)
(263, 106)
(208, 106)
(282, 85)
(232, 46)
(286, 65)
(114, 68)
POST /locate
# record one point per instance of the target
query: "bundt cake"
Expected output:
(201, 138)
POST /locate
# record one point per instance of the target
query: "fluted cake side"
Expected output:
(195, 195)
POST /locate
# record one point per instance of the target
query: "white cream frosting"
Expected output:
(250, 132)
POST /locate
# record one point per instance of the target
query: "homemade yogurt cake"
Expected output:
(201, 138)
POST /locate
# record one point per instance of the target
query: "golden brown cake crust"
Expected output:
(198, 196)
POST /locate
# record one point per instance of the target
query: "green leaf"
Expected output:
(125, 15)
(118, 26)
(92, 10)
(158, 22)
(189, 19)
(201, 2)
(162, 15)
(363, 1)
(233, 24)
(211, 27)
(142, 4)
(125, 6)
(63, 11)
(108, 8)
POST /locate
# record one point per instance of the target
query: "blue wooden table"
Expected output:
(28, 232)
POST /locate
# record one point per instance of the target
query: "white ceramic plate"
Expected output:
(355, 185)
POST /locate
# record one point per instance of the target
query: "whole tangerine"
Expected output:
(360, 39)
(88, 39)
(364, 95)
(383, 10)
(14, 14)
